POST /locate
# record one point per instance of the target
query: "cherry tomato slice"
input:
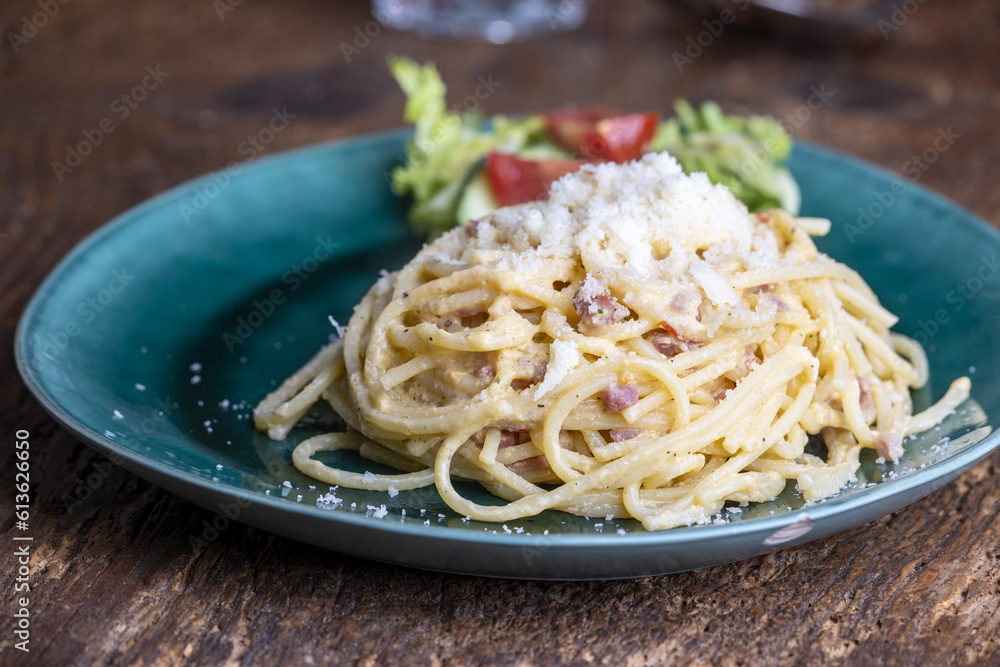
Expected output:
(603, 134)
(516, 180)
(575, 129)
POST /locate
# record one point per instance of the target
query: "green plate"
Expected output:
(153, 340)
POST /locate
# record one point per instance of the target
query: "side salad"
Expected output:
(462, 166)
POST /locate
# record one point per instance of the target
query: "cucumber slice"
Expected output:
(543, 151)
(788, 191)
(477, 199)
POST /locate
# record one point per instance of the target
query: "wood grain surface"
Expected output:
(114, 579)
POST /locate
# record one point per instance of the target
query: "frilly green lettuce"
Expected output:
(742, 153)
(446, 146)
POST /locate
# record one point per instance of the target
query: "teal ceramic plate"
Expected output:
(153, 340)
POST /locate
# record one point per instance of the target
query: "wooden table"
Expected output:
(115, 580)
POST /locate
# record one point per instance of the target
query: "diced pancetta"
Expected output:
(620, 434)
(745, 365)
(616, 397)
(889, 446)
(686, 302)
(865, 388)
(595, 305)
(668, 342)
(778, 303)
(534, 463)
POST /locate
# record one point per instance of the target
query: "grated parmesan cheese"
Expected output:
(715, 286)
(563, 357)
(341, 330)
(644, 221)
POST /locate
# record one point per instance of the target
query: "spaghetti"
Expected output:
(638, 345)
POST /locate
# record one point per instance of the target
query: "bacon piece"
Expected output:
(619, 434)
(515, 436)
(779, 304)
(670, 344)
(745, 365)
(469, 311)
(484, 371)
(865, 387)
(472, 227)
(686, 302)
(665, 343)
(595, 305)
(888, 446)
(866, 399)
(509, 438)
(537, 370)
(528, 376)
(616, 397)
(534, 463)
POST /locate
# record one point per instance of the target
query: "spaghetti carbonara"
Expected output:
(637, 345)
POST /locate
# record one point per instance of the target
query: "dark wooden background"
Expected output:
(115, 580)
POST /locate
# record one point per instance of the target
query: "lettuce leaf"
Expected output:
(446, 147)
(742, 153)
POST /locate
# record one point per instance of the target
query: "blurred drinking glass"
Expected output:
(496, 21)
